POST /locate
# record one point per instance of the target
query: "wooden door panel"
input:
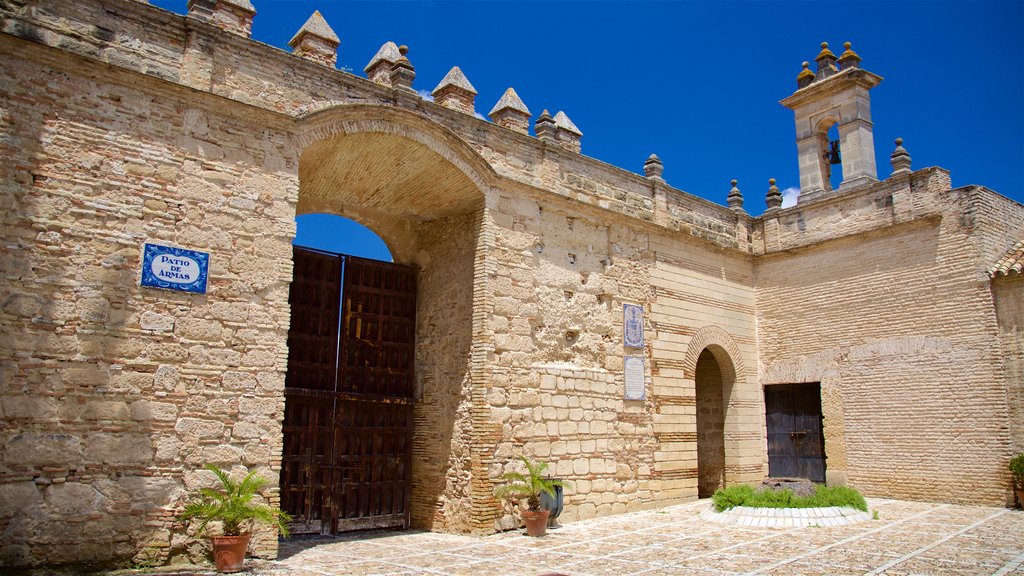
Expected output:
(348, 394)
(373, 426)
(794, 426)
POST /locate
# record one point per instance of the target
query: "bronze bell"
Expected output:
(833, 153)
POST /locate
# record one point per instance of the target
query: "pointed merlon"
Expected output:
(388, 53)
(455, 79)
(315, 26)
(511, 113)
(455, 92)
(805, 77)
(510, 101)
(562, 121)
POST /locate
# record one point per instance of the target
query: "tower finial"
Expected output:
(654, 168)
(826, 62)
(805, 77)
(900, 158)
(735, 198)
(849, 58)
(773, 198)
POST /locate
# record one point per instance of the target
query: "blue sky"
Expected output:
(698, 83)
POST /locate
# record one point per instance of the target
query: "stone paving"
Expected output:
(909, 538)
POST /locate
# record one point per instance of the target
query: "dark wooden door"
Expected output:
(373, 428)
(796, 445)
(309, 388)
(348, 394)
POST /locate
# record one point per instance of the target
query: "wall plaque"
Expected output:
(174, 268)
(636, 378)
(633, 325)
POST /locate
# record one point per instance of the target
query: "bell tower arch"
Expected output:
(837, 93)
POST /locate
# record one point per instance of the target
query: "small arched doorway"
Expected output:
(711, 407)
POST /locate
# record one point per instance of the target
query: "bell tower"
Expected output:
(835, 94)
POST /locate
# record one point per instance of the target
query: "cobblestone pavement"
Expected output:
(908, 538)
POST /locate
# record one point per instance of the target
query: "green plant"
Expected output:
(874, 514)
(232, 505)
(726, 498)
(824, 496)
(1017, 469)
(529, 485)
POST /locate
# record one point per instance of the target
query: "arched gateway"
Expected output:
(380, 354)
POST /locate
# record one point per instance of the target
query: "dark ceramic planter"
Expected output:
(553, 504)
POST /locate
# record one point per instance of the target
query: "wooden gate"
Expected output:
(348, 394)
(796, 445)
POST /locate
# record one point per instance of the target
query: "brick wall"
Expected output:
(896, 323)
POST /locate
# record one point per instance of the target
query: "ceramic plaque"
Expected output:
(633, 325)
(174, 268)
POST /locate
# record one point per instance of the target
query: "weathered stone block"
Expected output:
(74, 499)
(18, 497)
(31, 449)
(198, 428)
(118, 449)
(149, 410)
(105, 410)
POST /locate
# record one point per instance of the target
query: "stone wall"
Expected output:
(114, 396)
(558, 389)
(887, 320)
(1008, 293)
(441, 416)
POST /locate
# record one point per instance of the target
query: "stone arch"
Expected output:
(822, 129)
(367, 118)
(742, 401)
(721, 344)
(424, 191)
(711, 362)
(435, 173)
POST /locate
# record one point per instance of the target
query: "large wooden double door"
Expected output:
(348, 394)
(796, 445)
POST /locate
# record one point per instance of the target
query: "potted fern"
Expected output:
(1017, 470)
(529, 486)
(231, 504)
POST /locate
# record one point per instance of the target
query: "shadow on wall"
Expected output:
(441, 469)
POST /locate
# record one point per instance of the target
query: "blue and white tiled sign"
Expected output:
(175, 268)
(633, 325)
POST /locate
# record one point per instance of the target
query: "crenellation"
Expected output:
(316, 41)
(455, 92)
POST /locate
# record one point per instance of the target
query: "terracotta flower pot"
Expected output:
(229, 552)
(536, 522)
(1020, 496)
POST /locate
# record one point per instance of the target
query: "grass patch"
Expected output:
(824, 496)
